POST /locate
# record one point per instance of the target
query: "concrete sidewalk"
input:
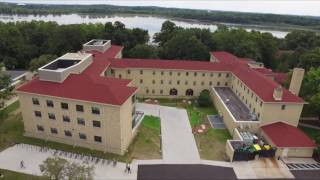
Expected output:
(10, 160)
(178, 143)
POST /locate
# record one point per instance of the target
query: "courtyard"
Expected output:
(211, 142)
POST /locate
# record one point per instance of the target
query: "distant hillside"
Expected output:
(308, 22)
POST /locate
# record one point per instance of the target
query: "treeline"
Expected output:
(29, 45)
(22, 42)
(202, 15)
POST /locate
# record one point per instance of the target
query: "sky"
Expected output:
(293, 7)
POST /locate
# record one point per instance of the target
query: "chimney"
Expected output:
(296, 80)
(277, 93)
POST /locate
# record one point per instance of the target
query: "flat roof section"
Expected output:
(237, 108)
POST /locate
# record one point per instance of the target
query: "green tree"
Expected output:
(310, 91)
(184, 45)
(5, 82)
(310, 59)
(59, 168)
(143, 51)
(303, 39)
(168, 29)
(204, 99)
(41, 61)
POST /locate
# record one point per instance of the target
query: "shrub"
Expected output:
(204, 99)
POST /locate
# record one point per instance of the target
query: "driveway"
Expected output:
(178, 143)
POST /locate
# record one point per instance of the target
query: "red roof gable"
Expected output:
(87, 86)
(285, 135)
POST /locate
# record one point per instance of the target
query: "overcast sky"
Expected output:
(295, 7)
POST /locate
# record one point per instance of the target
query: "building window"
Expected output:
(187, 73)
(170, 73)
(161, 81)
(35, 101)
(283, 107)
(51, 116)
(178, 82)
(153, 81)
(227, 75)
(256, 99)
(120, 76)
(37, 113)
(67, 133)
(260, 103)
(194, 83)
(79, 108)
(203, 74)
(152, 91)
(141, 71)
(81, 121)
(141, 81)
(64, 105)
(219, 75)
(186, 83)
(258, 115)
(178, 73)
(82, 136)
(195, 73)
(226, 83)
(218, 83)
(96, 123)
(128, 71)
(54, 131)
(153, 73)
(97, 139)
(202, 83)
(210, 83)
(65, 118)
(161, 72)
(161, 91)
(169, 81)
(211, 75)
(147, 91)
(95, 110)
(49, 103)
(40, 128)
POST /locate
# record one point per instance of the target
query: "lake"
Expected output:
(150, 23)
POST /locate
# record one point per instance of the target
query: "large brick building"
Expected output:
(88, 98)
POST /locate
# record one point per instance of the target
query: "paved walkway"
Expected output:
(10, 159)
(178, 143)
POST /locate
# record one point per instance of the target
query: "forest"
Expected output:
(29, 45)
(201, 15)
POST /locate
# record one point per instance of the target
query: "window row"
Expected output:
(65, 106)
(66, 118)
(178, 82)
(68, 133)
(180, 73)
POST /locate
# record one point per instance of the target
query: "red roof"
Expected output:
(89, 85)
(257, 82)
(264, 71)
(285, 135)
(280, 77)
(169, 64)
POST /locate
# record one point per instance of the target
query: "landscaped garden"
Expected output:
(211, 142)
(146, 144)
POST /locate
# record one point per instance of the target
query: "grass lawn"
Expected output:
(145, 145)
(211, 145)
(147, 142)
(11, 175)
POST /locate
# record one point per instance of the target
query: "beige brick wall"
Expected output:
(115, 121)
(156, 80)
